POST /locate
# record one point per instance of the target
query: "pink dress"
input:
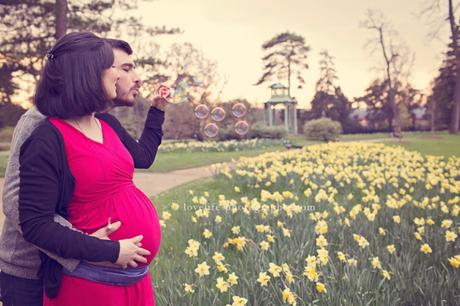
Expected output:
(104, 188)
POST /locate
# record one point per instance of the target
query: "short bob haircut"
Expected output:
(70, 85)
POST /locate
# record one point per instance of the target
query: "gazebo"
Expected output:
(279, 95)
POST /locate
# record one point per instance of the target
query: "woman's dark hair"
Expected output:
(70, 84)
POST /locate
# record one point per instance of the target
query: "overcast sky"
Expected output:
(232, 32)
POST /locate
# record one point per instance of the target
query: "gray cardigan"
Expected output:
(17, 256)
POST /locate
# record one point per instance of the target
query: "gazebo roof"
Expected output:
(281, 99)
(278, 86)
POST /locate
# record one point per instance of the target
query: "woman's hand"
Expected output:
(131, 252)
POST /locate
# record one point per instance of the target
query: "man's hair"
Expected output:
(120, 44)
(71, 82)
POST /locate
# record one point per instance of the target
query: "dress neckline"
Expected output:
(83, 134)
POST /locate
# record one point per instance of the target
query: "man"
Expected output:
(20, 260)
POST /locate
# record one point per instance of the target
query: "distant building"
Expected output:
(279, 95)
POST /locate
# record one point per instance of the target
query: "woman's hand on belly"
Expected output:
(131, 253)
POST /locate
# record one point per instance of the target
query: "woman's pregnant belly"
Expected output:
(137, 214)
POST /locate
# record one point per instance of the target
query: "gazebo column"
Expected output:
(295, 119)
(270, 114)
(286, 117)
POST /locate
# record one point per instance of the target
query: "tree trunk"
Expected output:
(395, 114)
(456, 107)
(454, 121)
(60, 13)
(389, 58)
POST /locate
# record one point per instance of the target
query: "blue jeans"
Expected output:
(17, 291)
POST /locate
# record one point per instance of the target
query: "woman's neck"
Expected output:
(88, 120)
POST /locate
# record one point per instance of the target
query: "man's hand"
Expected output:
(104, 232)
(159, 103)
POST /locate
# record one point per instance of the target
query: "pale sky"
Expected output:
(232, 32)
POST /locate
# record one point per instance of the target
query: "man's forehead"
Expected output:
(123, 58)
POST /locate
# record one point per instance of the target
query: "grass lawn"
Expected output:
(444, 144)
(169, 161)
(438, 143)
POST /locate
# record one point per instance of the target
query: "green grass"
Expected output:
(169, 161)
(444, 144)
(438, 143)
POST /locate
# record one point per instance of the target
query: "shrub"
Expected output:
(260, 130)
(322, 129)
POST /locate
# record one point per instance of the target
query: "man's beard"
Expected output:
(122, 102)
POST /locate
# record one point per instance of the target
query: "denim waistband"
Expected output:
(108, 275)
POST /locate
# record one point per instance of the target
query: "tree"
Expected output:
(379, 112)
(329, 100)
(29, 28)
(395, 58)
(286, 55)
(441, 100)
(454, 29)
(432, 10)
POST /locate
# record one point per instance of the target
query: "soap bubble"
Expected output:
(164, 91)
(218, 114)
(201, 111)
(239, 110)
(211, 130)
(241, 127)
(179, 92)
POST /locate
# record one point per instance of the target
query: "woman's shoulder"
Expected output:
(45, 132)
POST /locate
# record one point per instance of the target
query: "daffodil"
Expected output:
(320, 287)
(222, 285)
(202, 269)
(288, 297)
(188, 288)
(450, 236)
(391, 248)
(263, 279)
(274, 269)
(425, 248)
(232, 279)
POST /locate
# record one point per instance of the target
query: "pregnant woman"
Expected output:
(80, 164)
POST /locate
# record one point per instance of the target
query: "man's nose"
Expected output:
(137, 80)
